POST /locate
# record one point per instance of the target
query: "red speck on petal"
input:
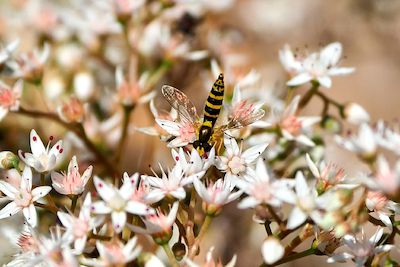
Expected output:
(57, 147)
(61, 150)
(100, 185)
(92, 208)
(117, 225)
(34, 138)
(176, 158)
(132, 181)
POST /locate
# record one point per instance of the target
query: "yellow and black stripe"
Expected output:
(214, 102)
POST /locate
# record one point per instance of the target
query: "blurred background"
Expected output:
(246, 34)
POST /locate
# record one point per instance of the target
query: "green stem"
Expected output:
(292, 257)
(42, 179)
(125, 126)
(327, 100)
(170, 255)
(307, 97)
(204, 227)
(99, 237)
(268, 228)
(74, 200)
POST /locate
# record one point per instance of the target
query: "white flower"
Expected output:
(42, 158)
(272, 250)
(118, 202)
(389, 137)
(71, 183)
(360, 249)
(364, 143)
(355, 113)
(141, 190)
(23, 197)
(158, 223)
(260, 188)
(170, 185)
(236, 164)
(195, 165)
(30, 65)
(184, 131)
(114, 253)
(9, 98)
(289, 61)
(77, 228)
(293, 127)
(210, 261)
(317, 67)
(215, 195)
(376, 201)
(304, 201)
(133, 89)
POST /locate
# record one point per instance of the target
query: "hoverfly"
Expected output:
(207, 133)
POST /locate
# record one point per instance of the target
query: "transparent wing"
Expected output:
(242, 121)
(180, 102)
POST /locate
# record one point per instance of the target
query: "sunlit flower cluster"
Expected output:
(90, 86)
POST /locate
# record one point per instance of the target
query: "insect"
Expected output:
(208, 134)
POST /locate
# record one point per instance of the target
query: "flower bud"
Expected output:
(8, 160)
(211, 209)
(272, 250)
(179, 250)
(84, 85)
(71, 110)
(355, 113)
(331, 124)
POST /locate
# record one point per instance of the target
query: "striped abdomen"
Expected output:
(214, 102)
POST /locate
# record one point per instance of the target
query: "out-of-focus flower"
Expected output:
(388, 179)
(293, 127)
(171, 184)
(290, 62)
(318, 67)
(236, 164)
(124, 8)
(30, 66)
(114, 253)
(71, 183)
(389, 137)
(216, 195)
(84, 85)
(355, 113)
(77, 228)
(210, 261)
(6, 51)
(8, 160)
(272, 250)
(260, 188)
(376, 201)
(195, 164)
(9, 98)
(23, 197)
(38, 250)
(134, 89)
(72, 110)
(117, 202)
(42, 158)
(360, 248)
(364, 143)
(158, 225)
(304, 201)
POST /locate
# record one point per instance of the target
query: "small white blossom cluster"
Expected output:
(103, 62)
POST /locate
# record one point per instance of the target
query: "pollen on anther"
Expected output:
(51, 138)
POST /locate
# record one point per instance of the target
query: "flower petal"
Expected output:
(9, 210)
(105, 190)
(40, 192)
(118, 219)
(30, 215)
(296, 217)
(37, 146)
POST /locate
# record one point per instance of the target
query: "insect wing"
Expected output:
(240, 122)
(180, 102)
